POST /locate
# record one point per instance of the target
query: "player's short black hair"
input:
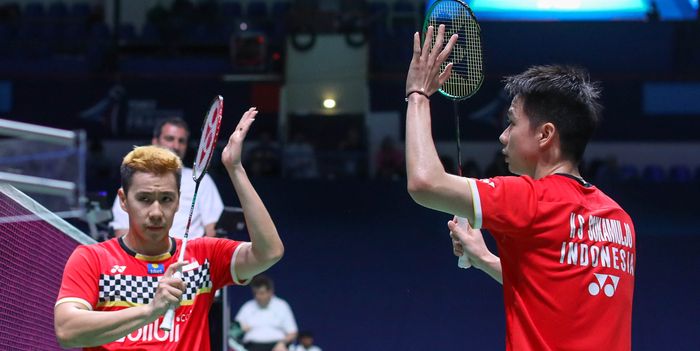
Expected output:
(176, 121)
(260, 281)
(563, 96)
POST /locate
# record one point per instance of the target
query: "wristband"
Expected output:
(417, 92)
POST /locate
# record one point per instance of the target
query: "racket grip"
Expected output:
(463, 261)
(169, 319)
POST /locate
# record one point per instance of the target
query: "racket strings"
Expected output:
(466, 57)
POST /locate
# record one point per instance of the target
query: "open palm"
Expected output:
(231, 156)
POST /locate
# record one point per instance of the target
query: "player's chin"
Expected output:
(156, 230)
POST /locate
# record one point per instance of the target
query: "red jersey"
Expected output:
(109, 276)
(567, 254)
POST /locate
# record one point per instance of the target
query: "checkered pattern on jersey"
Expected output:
(142, 289)
(196, 279)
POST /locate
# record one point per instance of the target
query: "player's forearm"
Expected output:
(82, 328)
(422, 161)
(266, 245)
(491, 265)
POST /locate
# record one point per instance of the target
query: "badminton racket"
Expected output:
(467, 65)
(207, 144)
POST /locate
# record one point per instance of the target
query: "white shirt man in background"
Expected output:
(173, 133)
(267, 320)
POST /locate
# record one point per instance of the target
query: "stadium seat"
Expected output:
(58, 10)
(680, 174)
(34, 10)
(629, 173)
(80, 11)
(654, 174)
(256, 10)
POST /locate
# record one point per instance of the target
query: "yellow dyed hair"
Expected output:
(149, 159)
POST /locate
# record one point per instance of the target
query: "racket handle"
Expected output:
(169, 319)
(463, 261)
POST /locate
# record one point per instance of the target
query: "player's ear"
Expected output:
(546, 134)
(122, 198)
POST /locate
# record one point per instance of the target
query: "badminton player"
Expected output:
(114, 293)
(567, 251)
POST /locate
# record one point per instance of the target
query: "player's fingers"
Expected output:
(174, 282)
(426, 44)
(173, 268)
(416, 46)
(452, 225)
(445, 74)
(446, 50)
(438, 42)
(246, 119)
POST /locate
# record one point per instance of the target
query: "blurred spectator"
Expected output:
(389, 160)
(471, 169)
(351, 149)
(267, 320)
(448, 163)
(300, 158)
(264, 158)
(497, 167)
(305, 342)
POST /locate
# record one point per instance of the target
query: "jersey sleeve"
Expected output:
(120, 220)
(210, 201)
(222, 253)
(80, 278)
(503, 204)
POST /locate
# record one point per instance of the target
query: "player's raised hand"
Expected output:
(231, 156)
(169, 291)
(424, 73)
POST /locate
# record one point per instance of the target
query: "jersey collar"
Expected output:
(165, 256)
(577, 179)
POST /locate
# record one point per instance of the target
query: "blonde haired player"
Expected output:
(114, 293)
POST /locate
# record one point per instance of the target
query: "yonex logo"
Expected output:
(489, 182)
(118, 269)
(607, 285)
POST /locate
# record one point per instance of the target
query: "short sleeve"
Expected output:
(289, 324)
(222, 253)
(80, 278)
(120, 220)
(503, 204)
(210, 201)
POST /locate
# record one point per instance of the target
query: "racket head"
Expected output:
(207, 142)
(467, 59)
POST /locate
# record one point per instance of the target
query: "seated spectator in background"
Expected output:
(498, 166)
(353, 156)
(267, 320)
(264, 158)
(448, 164)
(300, 158)
(305, 342)
(389, 160)
(172, 133)
(471, 170)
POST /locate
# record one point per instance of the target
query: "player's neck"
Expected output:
(564, 167)
(146, 246)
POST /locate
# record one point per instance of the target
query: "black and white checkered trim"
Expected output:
(141, 290)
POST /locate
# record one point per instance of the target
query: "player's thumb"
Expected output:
(173, 268)
(452, 224)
